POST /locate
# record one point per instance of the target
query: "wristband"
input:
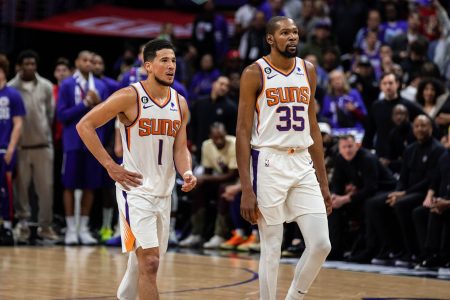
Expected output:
(189, 172)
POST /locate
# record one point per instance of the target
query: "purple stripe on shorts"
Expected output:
(255, 156)
(127, 214)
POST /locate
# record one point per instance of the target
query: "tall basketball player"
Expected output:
(280, 158)
(153, 129)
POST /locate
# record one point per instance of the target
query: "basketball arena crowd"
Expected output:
(383, 107)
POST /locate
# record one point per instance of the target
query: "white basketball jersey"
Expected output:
(148, 142)
(281, 113)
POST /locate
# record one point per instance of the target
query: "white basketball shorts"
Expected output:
(285, 184)
(144, 221)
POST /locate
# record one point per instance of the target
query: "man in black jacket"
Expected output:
(357, 176)
(389, 212)
(380, 116)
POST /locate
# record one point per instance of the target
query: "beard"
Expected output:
(163, 82)
(286, 53)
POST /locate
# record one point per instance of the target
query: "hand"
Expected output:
(231, 191)
(394, 196)
(249, 207)
(126, 178)
(92, 98)
(338, 201)
(440, 205)
(327, 198)
(384, 161)
(350, 189)
(190, 181)
(8, 156)
(428, 202)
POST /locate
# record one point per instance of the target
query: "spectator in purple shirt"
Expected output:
(202, 81)
(342, 106)
(77, 95)
(12, 110)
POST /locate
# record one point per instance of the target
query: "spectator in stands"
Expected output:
(373, 24)
(62, 71)
(364, 80)
(253, 42)
(35, 155)
(353, 12)
(322, 77)
(319, 41)
(245, 15)
(380, 115)
(234, 86)
(427, 94)
(401, 42)
(108, 191)
(432, 219)
(392, 26)
(307, 20)
(331, 60)
(399, 138)
(442, 118)
(371, 49)
(125, 62)
(210, 33)
(77, 95)
(342, 105)
(216, 107)
(220, 169)
(12, 110)
(420, 162)
(412, 65)
(438, 50)
(357, 176)
(203, 79)
(272, 8)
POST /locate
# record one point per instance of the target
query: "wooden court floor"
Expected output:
(93, 273)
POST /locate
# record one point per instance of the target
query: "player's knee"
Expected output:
(322, 247)
(150, 265)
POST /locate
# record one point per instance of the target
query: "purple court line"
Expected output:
(253, 278)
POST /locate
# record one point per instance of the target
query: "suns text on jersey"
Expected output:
(159, 127)
(275, 96)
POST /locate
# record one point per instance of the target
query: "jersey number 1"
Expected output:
(160, 152)
(287, 115)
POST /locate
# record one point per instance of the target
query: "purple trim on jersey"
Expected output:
(139, 109)
(179, 107)
(262, 81)
(280, 72)
(168, 101)
(255, 156)
(127, 213)
(307, 75)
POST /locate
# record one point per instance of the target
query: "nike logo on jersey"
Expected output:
(270, 77)
(147, 106)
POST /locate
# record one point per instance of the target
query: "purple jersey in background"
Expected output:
(11, 105)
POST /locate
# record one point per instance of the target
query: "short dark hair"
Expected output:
(345, 137)
(27, 54)
(272, 25)
(154, 46)
(397, 79)
(62, 61)
(4, 64)
(218, 126)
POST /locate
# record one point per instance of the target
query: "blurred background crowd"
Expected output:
(383, 106)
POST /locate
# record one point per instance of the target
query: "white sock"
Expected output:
(128, 288)
(107, 217)
(314, 228)
(70, 221)
(7, 224)
(84, 221)
(239, 231)
(271, 237)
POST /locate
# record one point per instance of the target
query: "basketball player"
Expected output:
(153, 129)
(286, 181)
